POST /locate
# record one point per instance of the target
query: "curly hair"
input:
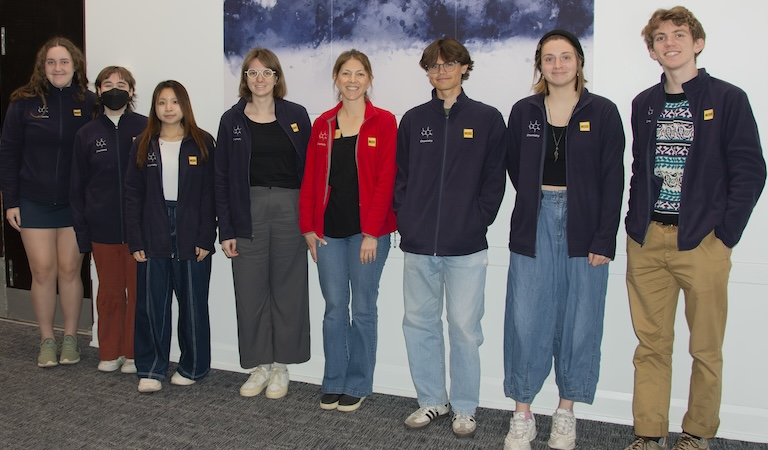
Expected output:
(37, 86)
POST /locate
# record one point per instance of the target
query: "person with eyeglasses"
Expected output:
(449, 186)
(565, 160)
(259, 165)
(346, 217)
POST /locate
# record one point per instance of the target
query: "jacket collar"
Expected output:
(370, 110)
(437, 102)
(691, 86)
(584, 99)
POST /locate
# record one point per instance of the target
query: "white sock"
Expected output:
(278, 365)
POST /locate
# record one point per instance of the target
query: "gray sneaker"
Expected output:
(644, 443)
(47, 356)
(69, 352)
(688, 442)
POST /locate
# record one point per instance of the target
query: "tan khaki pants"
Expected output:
(655, 274)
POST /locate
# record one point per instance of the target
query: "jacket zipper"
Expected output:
(120, 182)
(442, 179)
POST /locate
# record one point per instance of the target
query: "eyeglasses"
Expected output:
(449, 67)
(254, 73)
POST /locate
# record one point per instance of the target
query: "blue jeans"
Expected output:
(462, 279)
(157, 280)
(555, 309)
(350, 346)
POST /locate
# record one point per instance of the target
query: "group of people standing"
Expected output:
(146, 194)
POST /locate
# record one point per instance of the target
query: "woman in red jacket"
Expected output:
(346, 216)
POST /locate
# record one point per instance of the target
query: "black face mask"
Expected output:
(115, 99)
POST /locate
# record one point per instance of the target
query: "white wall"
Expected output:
(171, 39)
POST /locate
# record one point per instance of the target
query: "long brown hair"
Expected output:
(37, 86)
(202, 139)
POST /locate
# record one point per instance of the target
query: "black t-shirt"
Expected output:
(342, 215)
(273, 158)
(554, 170)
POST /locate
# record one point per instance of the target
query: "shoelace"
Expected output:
(638, 444)
(563, 423)
(518, 427)
(686, 442)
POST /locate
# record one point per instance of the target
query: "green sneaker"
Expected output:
(69, 352)
(47, 356)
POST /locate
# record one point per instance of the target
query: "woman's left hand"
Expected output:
(368, 249)
(598, 260)
(201, 253)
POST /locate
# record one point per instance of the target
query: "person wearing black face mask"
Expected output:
(96, 196)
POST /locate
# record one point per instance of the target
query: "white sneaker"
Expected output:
(463, 425)
(256, 382)
(147, 385)
(111, 365)
(180, 380)
(129, 366)
(563, 435)
(424, 416)
(521, 432)
(278, 383)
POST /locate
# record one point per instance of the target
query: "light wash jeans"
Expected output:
(462, 279)
(555, 309)
(350, 346)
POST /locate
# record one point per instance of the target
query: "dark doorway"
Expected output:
(25, 26)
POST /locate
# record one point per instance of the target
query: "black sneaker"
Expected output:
(347, 403)
(329, 401)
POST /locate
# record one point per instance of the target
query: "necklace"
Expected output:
(556, 139)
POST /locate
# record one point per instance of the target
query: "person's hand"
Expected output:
(139, 256)
(201, 253)
(598, 260)
(229, 246)
(14, 218)
(368, 249)
(312, 241)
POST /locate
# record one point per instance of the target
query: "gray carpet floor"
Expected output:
(78, 407)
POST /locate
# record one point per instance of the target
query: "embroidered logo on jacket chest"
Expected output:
(101, 145)
(426, 136)
(534, 129)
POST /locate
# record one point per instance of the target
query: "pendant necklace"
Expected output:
(556, 139)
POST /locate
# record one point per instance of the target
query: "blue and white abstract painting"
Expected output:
(308, 35)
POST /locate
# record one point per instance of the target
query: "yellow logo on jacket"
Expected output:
(709, 114)
(295, 127)
(77, 112)
(371, 142)
(469, 133)
(193, 160)
(584, 126)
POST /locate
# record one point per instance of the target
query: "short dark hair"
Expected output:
(448, 49)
